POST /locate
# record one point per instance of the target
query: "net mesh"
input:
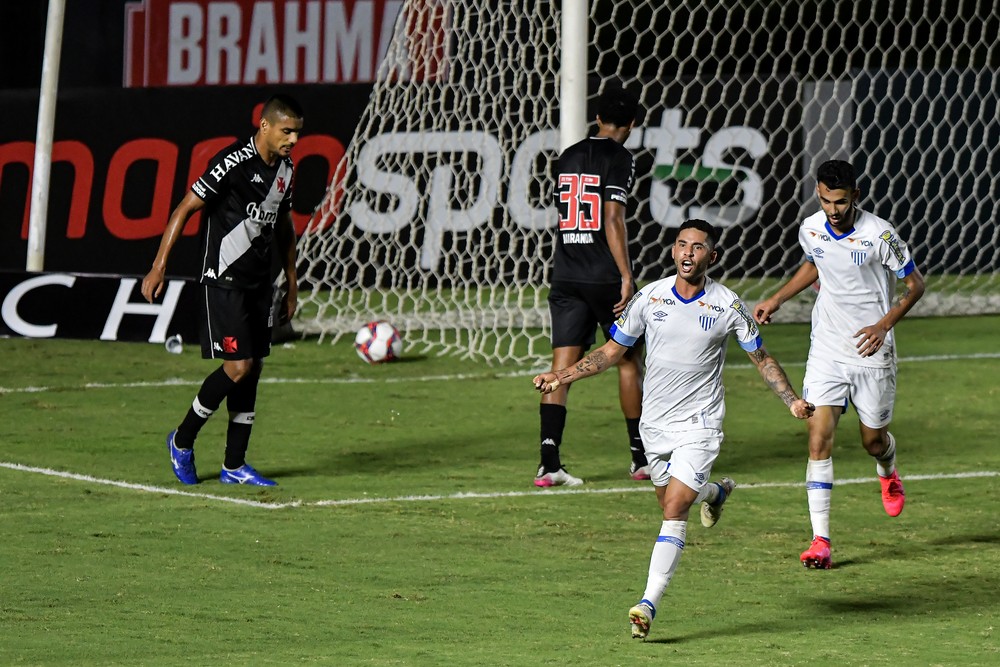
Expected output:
(439, 217)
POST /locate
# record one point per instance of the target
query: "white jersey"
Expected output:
(857, 276)
(686, 344)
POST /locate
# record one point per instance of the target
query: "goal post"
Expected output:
(440, 218)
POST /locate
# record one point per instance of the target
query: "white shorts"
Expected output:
(686, 455)
(871, 390)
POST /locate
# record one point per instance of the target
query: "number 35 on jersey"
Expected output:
(579, 202)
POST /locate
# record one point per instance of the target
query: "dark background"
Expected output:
(942, 184)
(94, 109)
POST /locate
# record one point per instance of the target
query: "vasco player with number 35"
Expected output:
(246, 192)
(592, 274)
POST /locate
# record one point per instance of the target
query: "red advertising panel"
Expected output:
(268, 42)
(119, 167)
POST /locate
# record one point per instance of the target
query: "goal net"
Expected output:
(440, 217)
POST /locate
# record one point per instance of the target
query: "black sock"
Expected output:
(241, 402)
(553, 422)
(237, 441)
(635, 443)
(215, 388)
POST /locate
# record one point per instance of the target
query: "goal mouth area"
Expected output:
(513, 326)
(441, 219)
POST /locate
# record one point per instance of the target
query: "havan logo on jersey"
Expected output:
(893, 244)
(220, 170)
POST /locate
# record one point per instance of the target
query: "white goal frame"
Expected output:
(438, 218)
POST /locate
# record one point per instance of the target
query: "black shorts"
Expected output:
(577, 309)
(236, 324)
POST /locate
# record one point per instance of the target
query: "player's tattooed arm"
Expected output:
(596, 362)
(774, 375)
(776, 379)
(592, 364)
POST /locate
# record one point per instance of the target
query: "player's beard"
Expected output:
(845, 221)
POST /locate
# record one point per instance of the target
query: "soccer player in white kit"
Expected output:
(857, 258)
(687, 320)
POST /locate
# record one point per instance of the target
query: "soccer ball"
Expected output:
(377, 342)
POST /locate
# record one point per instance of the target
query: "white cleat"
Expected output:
(555, 478)
(640, 617)
(710, 512)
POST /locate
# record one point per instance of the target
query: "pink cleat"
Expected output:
(638, 473)
(893, 496)
(817, 556)
(555, 478)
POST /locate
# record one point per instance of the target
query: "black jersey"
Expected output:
(243, 199)
(589, 173)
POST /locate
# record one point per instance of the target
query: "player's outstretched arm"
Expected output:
(774, 376)
(803, 278)
(596, 362)
(152, 284)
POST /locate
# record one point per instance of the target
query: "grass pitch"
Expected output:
(405, 530)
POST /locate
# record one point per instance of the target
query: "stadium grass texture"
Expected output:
(102, 575)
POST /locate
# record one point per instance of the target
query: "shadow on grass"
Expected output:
(921, 597)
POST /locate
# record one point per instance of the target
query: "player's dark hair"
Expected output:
(703, 226)
(617, 106)
(837, 175)
(281, 105)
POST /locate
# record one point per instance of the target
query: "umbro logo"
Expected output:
(257, 179)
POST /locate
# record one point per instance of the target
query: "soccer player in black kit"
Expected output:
(246, 193)
(592, 274)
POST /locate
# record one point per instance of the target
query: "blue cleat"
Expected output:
(245, 474)
(182, 461)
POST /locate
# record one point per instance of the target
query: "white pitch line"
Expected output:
(140, 487)
(178, 382)
(464, 495)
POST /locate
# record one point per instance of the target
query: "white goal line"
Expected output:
(147, 488)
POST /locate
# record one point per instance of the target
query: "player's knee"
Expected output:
(676, 514)
(876, 446)
(675, 509)
(238, 370)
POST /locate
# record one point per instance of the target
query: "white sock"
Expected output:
(663, 562)
(709, 493)
(819, 488)
(885, 465)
